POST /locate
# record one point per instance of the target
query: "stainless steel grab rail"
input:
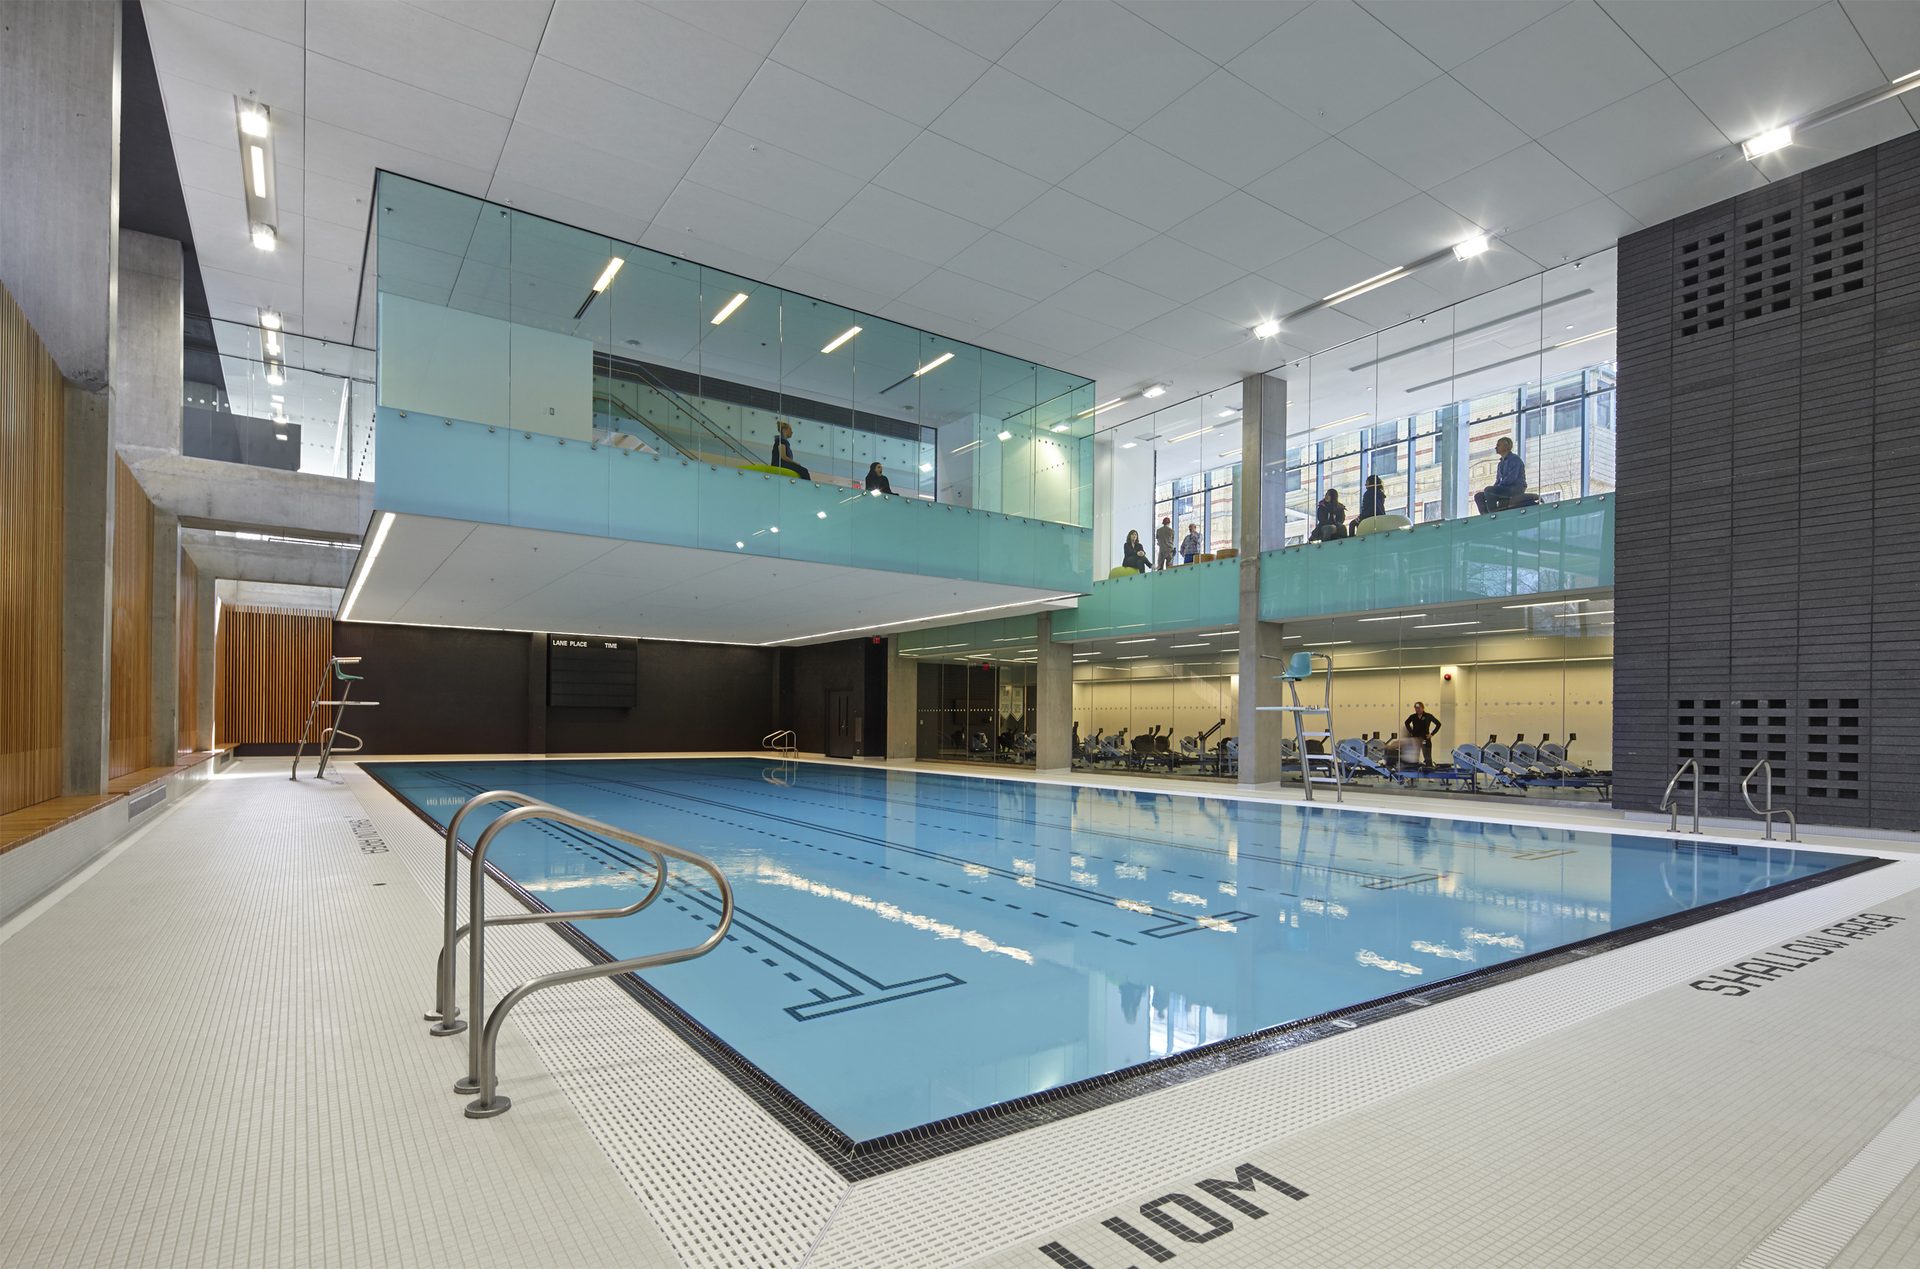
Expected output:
(1767, 812)
(446, 1016)
(1668, 804)
(483, 1042)
(783, 741)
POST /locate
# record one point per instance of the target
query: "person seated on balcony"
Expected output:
(783, 451)
(1190, 545)
(1509, 485)
(877, 481)
(1133, 554)
(1330, 518)
(1373, 500)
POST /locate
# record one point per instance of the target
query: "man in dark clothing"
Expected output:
(1509, 480)
(1423, 727)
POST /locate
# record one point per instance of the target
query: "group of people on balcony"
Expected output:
(1509, 489)
(782, 457)
(1133, 553)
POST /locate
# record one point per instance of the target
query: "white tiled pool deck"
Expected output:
(212, 1053)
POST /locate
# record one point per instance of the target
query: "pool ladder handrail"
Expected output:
(1671, 805)
(1768, 811)
(483, 1041)
(783, 741)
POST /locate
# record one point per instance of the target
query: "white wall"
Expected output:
(1130, 494)
(462, 365)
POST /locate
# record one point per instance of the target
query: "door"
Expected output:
(840, 731)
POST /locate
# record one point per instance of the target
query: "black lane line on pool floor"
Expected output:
(863, 1160)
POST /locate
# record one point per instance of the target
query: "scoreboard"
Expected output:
(592, 672)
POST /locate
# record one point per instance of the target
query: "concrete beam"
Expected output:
(289, 563)
(60, 151)
(148, 355)
(207, 494)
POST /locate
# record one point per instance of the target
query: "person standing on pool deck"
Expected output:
(1163, 543)
(1423, 727)
(783, 451)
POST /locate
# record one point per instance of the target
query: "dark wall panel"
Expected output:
(1768, 540)
(807, 675)
(440, 691)
(692, 696)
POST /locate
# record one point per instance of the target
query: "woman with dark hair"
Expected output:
(1133, 554)
(1330, 518)
(877, 482)
(1373, 500)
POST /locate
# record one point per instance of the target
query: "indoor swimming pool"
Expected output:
(911, 947)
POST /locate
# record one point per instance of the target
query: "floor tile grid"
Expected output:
(1593, 1145)
(1891, 1235)
(1089, 1160)
(201, 1067)
(1840, 1209)
(727, 1185)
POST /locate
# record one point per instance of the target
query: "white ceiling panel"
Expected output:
(1169, 267)
(1106, 60)
(624, 126)
(1330, 266)
(421, 48)
(809, 118)
(1333, 65)
(1640, 136)
(1891, 29)
(1530, 79)
(1228, 128)
(1849, 134)
(948, 175)
(1069, 225)
(1066, 330)
(1518, 188)
(1191, 331)
(212, 47)
(1216, 29)
(837, 255)
(1111, 300)
(1456, 280)
(1590, 227)
(880, 57)
(1005, 117)
(1790, 71)
(655, 53)
(1331, 186)
(1016, 266)
(813, 284)
(1449, 32)
(518, 22)
(1681, 35)
(1391, 305)
(1247, 301)
(352, 157)
(1156, 188)
(1242, 229)
(987, 27)
(752, 24)
(200, 112)
(902, 225)
(764, 174)
(968, 300)
(537, 159)
(694, 215)
(1705, 180)
(1437, 131)
(361, 101)
(341, 202)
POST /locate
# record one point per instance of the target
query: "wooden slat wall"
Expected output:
(268, 663)
(187, 629)
(32, 518)
(130, 689)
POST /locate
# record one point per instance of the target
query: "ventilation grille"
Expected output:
(1767, 265)
(1839, 243)
(142, 801)
(1762, 736)
(1697, 734)
(1836, 748)
(1704, 285)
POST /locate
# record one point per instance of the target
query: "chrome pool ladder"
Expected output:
(782, 742)
(1671, 804)
(483, 1041)
(1766, 811)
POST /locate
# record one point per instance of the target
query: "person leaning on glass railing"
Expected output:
(1190, 545)
(1329, 518)
(783, 450)
(877, 481)
(1509, 487)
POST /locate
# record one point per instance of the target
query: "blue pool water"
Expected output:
(907, 947)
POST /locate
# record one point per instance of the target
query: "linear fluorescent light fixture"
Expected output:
(1130, 445)
(1766, 143)
(257, 168)
(1351, 418)
(256, 172)
(1468, 248)
(961, 449)
(1364, 285)
(1267, 329)
(1187, 436)
(1405, 616)
(1063, 427)
(1443, 625)
(1599, 334)
(841, 338)
(935, 364)
(366, 564)
(726, 310)
(604, 281)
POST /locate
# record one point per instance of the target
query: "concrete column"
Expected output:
(1262, 523)
(1053, 700)
(148, 367)
(206, 604)
(86, 603)
(60, 150)
(166, 640)
(903, 703)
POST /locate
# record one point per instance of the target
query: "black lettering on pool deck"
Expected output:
(1181, 1216)
(1742, 978)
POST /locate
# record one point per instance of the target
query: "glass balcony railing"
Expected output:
(269, 399)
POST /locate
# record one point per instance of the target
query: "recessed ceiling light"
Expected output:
(1062, 427)
(1767, 143)
(1133, 640)
(821, 515)
(264, 237)
(841, 338)
(254, 120)
(279, 436)
(1129, 444)
(1442, 625)
(1187, 436)
(275, 378)
(1153, 390)
(935, 364)
(270, 320)
(1141, 657)
(1006, 436)
(926, 467)
(1267, 329)
(727, 309)
(1226, 414)
(605, 279)
(1406, 616)
(739, 546)
(1468, 248)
